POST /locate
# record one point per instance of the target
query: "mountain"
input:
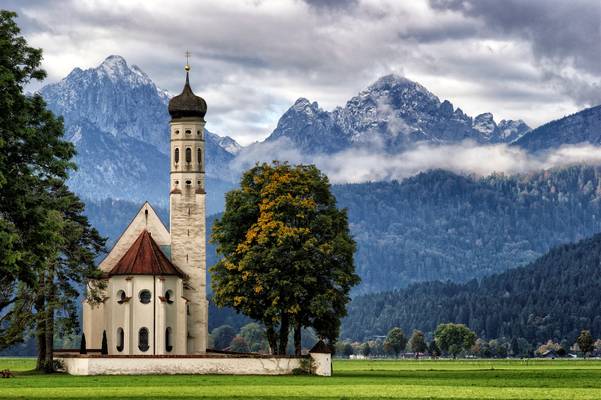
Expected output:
(117, 118)
(581, 127)
(439, 225)
(554, 297)
(392, 113)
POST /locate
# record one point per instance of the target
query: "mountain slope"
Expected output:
(552, 298)
(440, 225)
(392, 113)
(118, 120)
(581, 127)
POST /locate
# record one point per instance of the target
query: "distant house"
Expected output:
(549, 354)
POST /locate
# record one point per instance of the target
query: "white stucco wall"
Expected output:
(174, 365)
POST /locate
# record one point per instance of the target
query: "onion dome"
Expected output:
(187, 104)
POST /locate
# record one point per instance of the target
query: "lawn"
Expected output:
(441, 379)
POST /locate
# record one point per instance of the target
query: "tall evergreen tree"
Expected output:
(48, 246)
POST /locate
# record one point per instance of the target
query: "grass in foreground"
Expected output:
(442, 379)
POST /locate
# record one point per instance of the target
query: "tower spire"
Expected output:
(187, 67)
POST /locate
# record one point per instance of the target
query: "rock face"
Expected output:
(117, 118)
(393, 113)
(582, 127)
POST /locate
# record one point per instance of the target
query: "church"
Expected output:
(155, 300)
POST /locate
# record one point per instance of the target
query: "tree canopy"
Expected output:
(287, 254)
(47, 247)
(454, 338)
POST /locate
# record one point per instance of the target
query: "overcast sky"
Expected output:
(532, 59)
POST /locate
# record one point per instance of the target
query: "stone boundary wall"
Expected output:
(207, 364)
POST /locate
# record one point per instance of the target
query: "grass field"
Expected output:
(360, 379)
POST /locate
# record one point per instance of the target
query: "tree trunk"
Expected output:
(49, 322)
(272, 339)
(284, 328)
(297, 338)
(40, 329)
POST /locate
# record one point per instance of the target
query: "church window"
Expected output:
(188, 183)
(168, 344)
(177, 132)
(198, 133)
(143, 339)
(199, 156)
(120, 339)
(121, 297)
(169, 296)
(188, 132)
(188, 155)
(145, 296)
(176, 155)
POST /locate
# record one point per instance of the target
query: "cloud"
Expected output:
(362, 165)
(253, 58)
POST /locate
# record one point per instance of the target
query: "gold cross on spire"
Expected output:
(188, 54)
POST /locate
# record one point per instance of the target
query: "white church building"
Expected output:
(154, 312)
(155, 302)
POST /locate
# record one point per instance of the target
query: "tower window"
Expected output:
(188, 155)
(188, 182)
(168, 344)
(176, 155)
(145, 296)
(199, 155)
(120, 340)
(143, 339)
(188, 132)
(198, 133)
(177, 132)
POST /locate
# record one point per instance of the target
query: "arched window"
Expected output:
(176, 155)
(199, 155)
(145, 296)
(169, 296)
(188, 155)
(188, 132)
(168, 344)
(121, 297)
(120, 339)
(143, 339)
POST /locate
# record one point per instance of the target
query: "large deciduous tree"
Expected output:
(287, 253)
(47, 247)
(585, 341)
(454, 338)
(395, 341)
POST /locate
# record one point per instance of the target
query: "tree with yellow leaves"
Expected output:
(287, 253)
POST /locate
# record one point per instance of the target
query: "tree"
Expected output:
(585, 342)
(454, 338)
(395, 341)
(47, 246)
(433, 349)
(239, 345)
(347, 350)
(254, 335)
(222, 337)
(366, 349)
(417, 342)
(287, 253)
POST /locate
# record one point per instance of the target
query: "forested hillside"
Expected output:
(439, 225)
(552, 298)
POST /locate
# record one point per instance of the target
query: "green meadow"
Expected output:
(356, 379)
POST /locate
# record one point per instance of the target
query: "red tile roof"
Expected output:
(144, 257)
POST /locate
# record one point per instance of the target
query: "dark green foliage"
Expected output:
(395, 341)
(287, 253)
(546, 299)
(439, 225)
(222, 337)
(454, 338)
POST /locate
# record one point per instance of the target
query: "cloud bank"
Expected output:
(535, 60)
(357, 166)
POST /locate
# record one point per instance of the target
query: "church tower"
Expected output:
(187, 208)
